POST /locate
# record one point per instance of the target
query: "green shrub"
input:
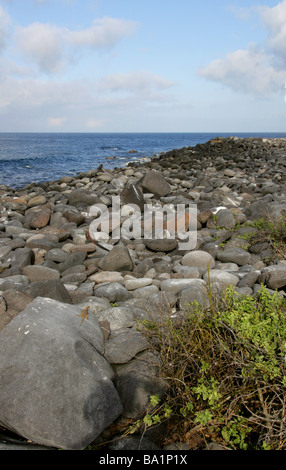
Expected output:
(225, 370)
(272, 231)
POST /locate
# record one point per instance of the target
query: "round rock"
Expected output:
(198, 259)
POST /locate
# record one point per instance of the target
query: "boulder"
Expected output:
(145, 292)
(81, 198)
(234, 255)
(74, 259)
(118, 259)
(57, 255)
(51, 289)
(12, 302)
(133, 283)
(198, 259)
(40, 273)
(258, 209)
(221, 278)
(173, 286)
(131, 194)
(164, 244)
(15, 282)
(274, 276)
(106, 276)
(113, 291)
(17, 259)
(117, 317)
(225, 219)
(39, 218)
(192, 295)
(56, 387)
(155, 183)
(137, 380)
(37, 201)
(123, 345)
(249, 279)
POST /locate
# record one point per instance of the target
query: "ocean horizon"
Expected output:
(27, 157)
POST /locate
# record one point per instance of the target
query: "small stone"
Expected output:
(106, 276)
(132, 284)
(229, 172)
(84, 248)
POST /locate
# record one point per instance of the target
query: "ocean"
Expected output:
(40, 157)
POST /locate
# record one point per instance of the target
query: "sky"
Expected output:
(142, 66)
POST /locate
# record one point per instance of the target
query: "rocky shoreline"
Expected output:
(72, 359)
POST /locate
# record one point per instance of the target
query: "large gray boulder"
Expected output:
(154, 182)
(133, 195)
(234, 255)
(56, 387)
(118, 259)
(274, 276)
(198, 259)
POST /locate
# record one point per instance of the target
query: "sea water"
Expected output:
(41, 157)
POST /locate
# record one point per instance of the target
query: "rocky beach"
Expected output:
(73, 362)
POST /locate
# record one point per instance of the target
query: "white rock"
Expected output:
(132, 284)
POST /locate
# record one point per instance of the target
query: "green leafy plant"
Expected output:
(225, 368)
(273, 232)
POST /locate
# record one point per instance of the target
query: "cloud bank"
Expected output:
(51, 48)
(261, 68)
(40, 68)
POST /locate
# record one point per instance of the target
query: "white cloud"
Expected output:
(4, 23)
(261, 68)
(43, 44)
(138, 81)
(104, 33)
(246, 70)
(274, 20)
(56, 122)
(52, 47)
(94, 124)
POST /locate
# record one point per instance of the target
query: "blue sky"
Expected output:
(133, 66)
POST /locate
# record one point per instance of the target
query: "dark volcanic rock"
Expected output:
(155, 183)
(51, 289)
